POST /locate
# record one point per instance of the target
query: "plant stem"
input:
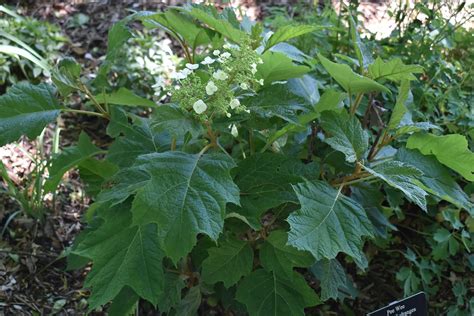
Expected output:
(84, 112)
(356, 104)
(89, 94)
(173, 144)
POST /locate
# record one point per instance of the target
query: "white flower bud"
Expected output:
(253, 68)
(234, 131)
(220, 75)
(244, 86)
(211, 88)
(235, 103)
(199, 106)
(216, 52)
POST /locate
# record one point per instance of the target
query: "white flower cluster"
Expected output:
(228, 69)
(152, 61)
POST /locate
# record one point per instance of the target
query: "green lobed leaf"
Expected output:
(331, 100)
(349, 80)
(363, 55)
(66, 76)
(328, 222)
(277, 101)
(290, 51)
(221, 26)
(332, 277)
(185, 194)
(125, 97)
(287, 32)
(171, 295)
(189, 305)
(400, 106)
(411, 282)
(136, 138)
(347, 135)
(95, 172)
(26, 109)
(393, 70)
(172, 119)
(265, 182)
(305, 87)
(68, 159)
(124, 303)
(265, 293)
(177, 23)
(228, 263)
(277, 256)
(277, 66)
(403, 177)
(446, 244)
(451, 150)
(122, 255)
(436, 178)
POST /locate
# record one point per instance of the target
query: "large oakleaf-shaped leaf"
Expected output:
(172, 119)
(277, 66)
(277, 256)
(277, 101)
(332, 277)
(394, 70)
(400, 107)
(288, 32)
(125, 97)
(347, 135)
(436, 178)
(122, 255)
(331, 100)
(403, 177)
(219, 25)
(349, 80)
(69, 158)
(265, 182)
(228, 262)
(328, 222)
(266, 293)
(184, 194)
(136, 138)
(25, 110)
(451, 150)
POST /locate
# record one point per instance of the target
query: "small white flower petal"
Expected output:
(220, 75)
(211, 88)
(244, 86)
(235, 103)
(192, 66)
(225, 55)
(216, 52)
(208, 60)
(186, 72)
(199, 106)
(234, 131)
(253, 68)
(261, 82)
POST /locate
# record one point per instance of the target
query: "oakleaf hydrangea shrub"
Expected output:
(262, 179)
